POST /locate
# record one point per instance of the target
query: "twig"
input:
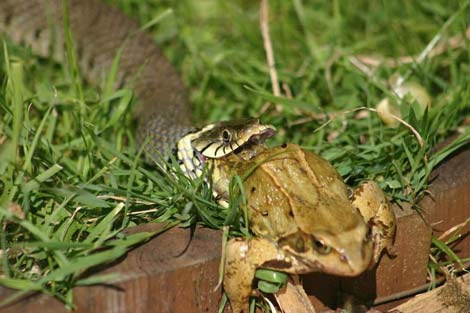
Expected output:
(328, 65)
(453, 229)
(118, 198)
(287, 90)
(414, 291)
(407, 125)
(143, 212)
(264, 24)
(361, 65)
(429, 53)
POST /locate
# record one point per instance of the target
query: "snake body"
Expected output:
(163, 114)
(99, 31)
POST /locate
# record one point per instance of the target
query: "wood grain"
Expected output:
(453, 297)
(158, 277)
(171, 273)
(404, 271)
(449, 201)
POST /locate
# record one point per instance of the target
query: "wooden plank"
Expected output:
(405, 271)
(171, 273)
(449, 201)
(32, 303)
(453, 297)
(158, 277)
(293, 299)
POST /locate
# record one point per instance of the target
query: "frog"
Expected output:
(302, 217)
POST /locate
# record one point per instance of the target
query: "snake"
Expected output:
(100, 33)
(163, 113)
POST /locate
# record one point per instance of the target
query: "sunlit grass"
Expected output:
(72, 178)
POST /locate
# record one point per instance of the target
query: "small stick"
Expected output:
(454, 229)
(264, 24)
(407, 125)
(454, 42)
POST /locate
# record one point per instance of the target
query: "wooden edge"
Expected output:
(452, 297)
(293, 299)
(156, 273)
(405, 270)
(152, 278)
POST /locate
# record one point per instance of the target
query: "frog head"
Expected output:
(345, 253)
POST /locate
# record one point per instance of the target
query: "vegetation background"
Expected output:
(71, 178)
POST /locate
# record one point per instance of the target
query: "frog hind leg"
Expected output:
(242, 258)
(370, 200)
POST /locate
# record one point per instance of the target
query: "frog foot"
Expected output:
(242, 258)
(374, 207)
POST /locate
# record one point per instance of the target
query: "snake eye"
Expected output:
(321, 247)
(226, 136)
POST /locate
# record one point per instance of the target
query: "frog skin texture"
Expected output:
(302, 218)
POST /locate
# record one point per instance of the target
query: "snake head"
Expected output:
(220, 139)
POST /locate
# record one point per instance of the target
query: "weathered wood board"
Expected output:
(161, 276)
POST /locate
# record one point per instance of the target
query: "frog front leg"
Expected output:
(242, 258)
(370, 200)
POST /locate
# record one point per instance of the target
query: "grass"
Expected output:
(72, 179)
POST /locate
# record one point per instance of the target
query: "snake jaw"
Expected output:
(201, 157)
(256, 139)
(263, 135)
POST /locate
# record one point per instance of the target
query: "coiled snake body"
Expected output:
(99, 32)
(163, 112)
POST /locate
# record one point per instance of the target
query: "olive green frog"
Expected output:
(302, 217)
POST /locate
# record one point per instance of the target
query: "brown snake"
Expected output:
(99, 31)
(163, 114)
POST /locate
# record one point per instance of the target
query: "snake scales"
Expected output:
(99, 31)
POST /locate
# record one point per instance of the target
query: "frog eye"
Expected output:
(226, 136)
(321, 247)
